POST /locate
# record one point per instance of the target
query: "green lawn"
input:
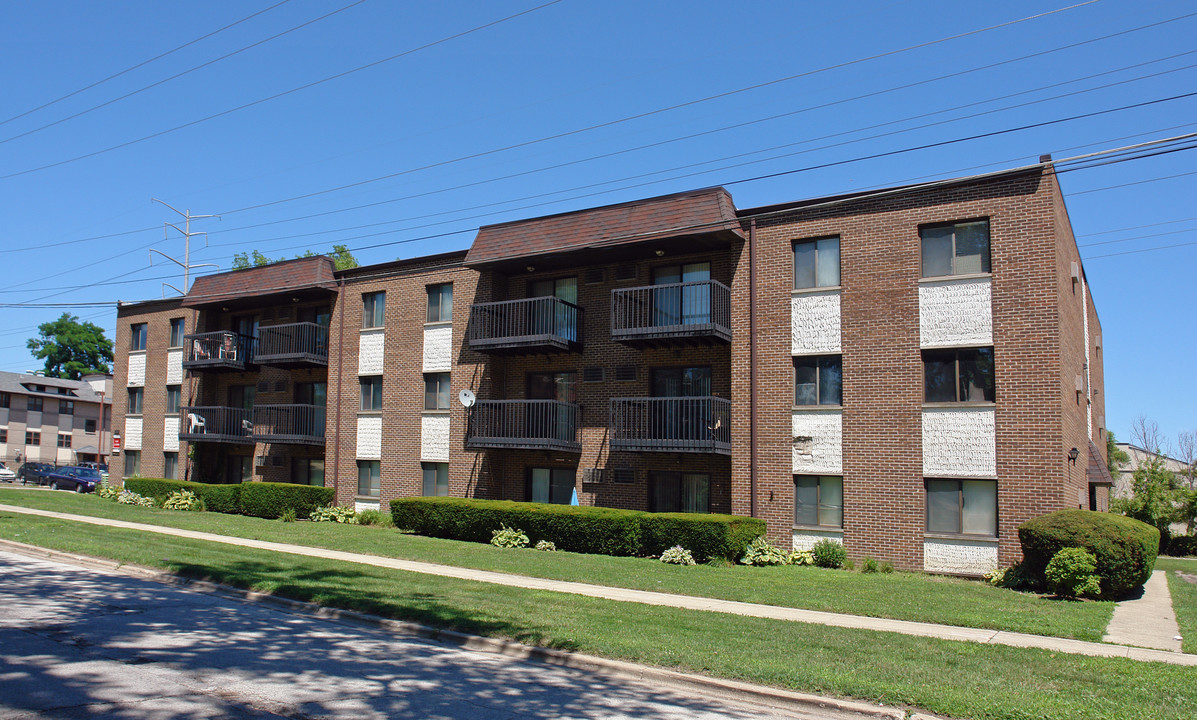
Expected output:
(958, 679)
(904, 596)
(1184, 596)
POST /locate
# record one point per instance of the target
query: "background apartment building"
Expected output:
(912, 372)
(56, 421)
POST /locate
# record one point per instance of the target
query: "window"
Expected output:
(436, 391)
(89, 426)
(174, 398)
(371, 392)
(33, 437)
(551, 485)
(66, 407)
(679, 492)
(819, 500)
(64, 440)
(955, 249)
(440, 302)
(368, 474)
(818, 380)
(136, 401)
(137, 336)
(33, 404)
(817, 263)
(132, 463)
(967, 507)
(964, 375)
(373, 309)
(679, 303)
(5, 400)
(307, 471)
(176, 332)
(436, 479)
(242, 396)
(625, 373)
(170, 465)
(3, 435)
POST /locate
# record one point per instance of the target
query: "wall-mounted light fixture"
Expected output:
(1073, 454)
(530, 268)
(660, 253)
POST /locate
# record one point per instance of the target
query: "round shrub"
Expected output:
(506, 537)
(677, 555)
(374, 517)
(183, 500)
(344, 514)
(1069, 573)
(760, 552)
(1125, 549)
(545, 546)
(829, 554)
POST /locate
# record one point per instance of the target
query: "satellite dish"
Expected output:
(466, 397)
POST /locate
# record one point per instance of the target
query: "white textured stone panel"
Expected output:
(132, 439)
(960, 557)
(63, 457)
(959, 442)
(170, 434)
(136, 370)
(369, 352)
(818, 442)
(816, 323)
(434, 438)
(438, 348)
(956, 312)
(361, 505)
(174, 366)
(806, 539)
(369, 438)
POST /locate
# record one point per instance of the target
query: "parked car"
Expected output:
(79, 479)
(34, 473)
(7, 475)
(97, 466)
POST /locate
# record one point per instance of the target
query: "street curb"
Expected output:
(730, 689)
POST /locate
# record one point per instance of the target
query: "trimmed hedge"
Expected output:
(1182, 545)
(1125, 549)
(705, 536)
(272, 500)
(583, 529)
(217, 498)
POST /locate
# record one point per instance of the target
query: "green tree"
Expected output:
(1156, 496)
(71, 348)
(245, 260)
(341, 257)
(1117, 457)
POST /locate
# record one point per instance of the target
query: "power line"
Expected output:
(1138, 227)
(1144, 250)
(1139, 237)
(1137, 182)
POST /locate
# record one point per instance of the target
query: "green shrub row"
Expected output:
(1125, 549)
(259, 499)
(583, 529)
(1181, 545)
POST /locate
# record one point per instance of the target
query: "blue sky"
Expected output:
(449, 133)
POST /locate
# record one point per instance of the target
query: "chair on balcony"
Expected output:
(199, 351)
(196, 421)
(228, 347)
(247, 426)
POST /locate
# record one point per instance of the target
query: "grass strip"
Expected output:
(959, 679)
(901, 596)
(1184, 597)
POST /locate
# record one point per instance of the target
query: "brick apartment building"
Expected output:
(56, 421)
(912, 372)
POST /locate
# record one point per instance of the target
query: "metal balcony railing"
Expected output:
(220, 350)
(216, 424)
(671, 424)
(304, 343)
(698, 311)
(289, 424)
(530, 325)
(526, 424)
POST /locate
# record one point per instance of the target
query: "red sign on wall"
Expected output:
(116, 443)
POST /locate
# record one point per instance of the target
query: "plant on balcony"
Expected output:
(678, 555)
(183, 500)
(506, 537)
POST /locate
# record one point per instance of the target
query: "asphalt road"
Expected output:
(83, 643)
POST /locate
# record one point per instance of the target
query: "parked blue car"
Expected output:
(79, 479)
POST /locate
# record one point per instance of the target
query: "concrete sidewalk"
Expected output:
(1148, 620)
(904, 627)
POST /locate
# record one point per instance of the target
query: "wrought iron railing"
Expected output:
(223, 349)
(671, 424)
(211, 423)
(532, 323)
(290, 424)
(698, 309)
(532, 424)
(304, 342)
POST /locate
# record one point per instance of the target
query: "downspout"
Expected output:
(340, 375)
(752, 368)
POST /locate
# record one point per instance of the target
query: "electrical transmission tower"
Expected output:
(186, 232)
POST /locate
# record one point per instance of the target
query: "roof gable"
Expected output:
(274, 279)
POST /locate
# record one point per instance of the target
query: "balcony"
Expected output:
(696, 312)
(523, 424)
(294, 345)
(221, 350)
(532, 325)
(216, 424)
(289, 424)
(671, 424)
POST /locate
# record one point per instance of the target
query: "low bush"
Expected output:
(288, 515)
(506, 537)
(828, 553)
(761, 553)
(1070, 573)
(374, 517)
(677, 555)
(127, 497)
(707, 536)
(335, 513)
(216, 498)
(1181, 545)
(107, 492)
(887, 568)
(271, 500)
(183, 500)
(545, 546)
(1125, 549)
(869, 566)
(801, 557)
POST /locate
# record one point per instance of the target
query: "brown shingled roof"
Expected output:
(708, 211)
(1098, 473)
(287, 276)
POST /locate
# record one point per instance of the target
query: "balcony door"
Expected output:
(551, 485)
(681, 418)
(671, 491)
(555, 319)
(321, 316)
(315, 394)
(552, 421)
(682, 305)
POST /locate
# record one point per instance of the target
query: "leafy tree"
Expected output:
(341, 257)
(1118, 457)
(1156, 496)
(245, 260)
(71, 348)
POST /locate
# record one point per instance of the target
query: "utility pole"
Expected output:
(186, 231)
